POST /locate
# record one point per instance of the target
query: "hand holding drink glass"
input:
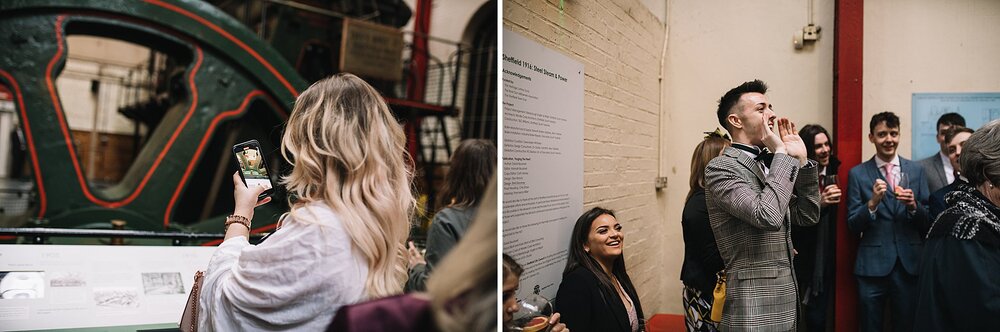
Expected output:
(535, 314)
(902, 191)
(830, 192)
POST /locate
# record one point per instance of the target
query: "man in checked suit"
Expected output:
(890, 214)
(751, 206)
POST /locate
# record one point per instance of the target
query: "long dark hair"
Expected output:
(578, 258)
(808, 136)
(470, 171)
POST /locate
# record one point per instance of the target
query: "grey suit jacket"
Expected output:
(751, 216)
(936, 179)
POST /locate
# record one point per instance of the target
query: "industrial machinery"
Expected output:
(211, 81)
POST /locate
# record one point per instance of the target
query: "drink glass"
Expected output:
(533, 315)
(829, 179)
(903, 182)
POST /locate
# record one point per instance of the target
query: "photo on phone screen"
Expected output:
(252, 166)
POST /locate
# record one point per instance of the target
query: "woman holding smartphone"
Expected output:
(342, 240)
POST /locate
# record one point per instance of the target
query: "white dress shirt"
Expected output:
(949, 171)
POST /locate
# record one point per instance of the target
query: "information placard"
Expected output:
(57, 286)
(542, 159)
(976, 108)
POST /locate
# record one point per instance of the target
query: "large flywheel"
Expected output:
(232, 86)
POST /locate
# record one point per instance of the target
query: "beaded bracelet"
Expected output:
(237, 219)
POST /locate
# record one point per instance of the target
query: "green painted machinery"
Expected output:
(230, 87)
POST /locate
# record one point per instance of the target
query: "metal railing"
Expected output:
(39, 235)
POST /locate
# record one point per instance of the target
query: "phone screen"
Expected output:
(252, 164)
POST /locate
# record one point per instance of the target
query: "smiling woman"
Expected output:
(596, 294)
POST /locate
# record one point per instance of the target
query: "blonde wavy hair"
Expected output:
(348, 151)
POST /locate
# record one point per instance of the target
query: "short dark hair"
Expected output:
(950, 119)
(471, 170)
(808, 135)
(954, 130)
(732, 97)
(891, 121)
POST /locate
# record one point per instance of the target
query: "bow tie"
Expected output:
(765, 157)
(761, 155)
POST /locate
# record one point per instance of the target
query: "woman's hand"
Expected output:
(556, 325)
(246, 198)
(415, 257)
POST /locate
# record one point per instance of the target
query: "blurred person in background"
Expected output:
(471, 169)
(461, 296)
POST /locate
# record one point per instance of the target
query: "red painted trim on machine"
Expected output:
(31, 141)
(201, 146)
(231, 38)
(69, 142)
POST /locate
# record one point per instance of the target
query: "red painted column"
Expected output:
(417, 85)
(849, 134)
(418, 51)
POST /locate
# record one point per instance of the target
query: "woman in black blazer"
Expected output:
(701, 254)
(596, 293)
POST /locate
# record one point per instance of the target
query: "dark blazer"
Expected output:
(585, 306)
(894, 232)
(701, 255)
(750, 216)
(958, 287)
(937, 203)
(815, 263)
(934, 170)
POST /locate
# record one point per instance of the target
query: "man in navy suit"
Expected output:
(889, 212)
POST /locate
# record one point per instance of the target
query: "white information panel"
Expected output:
(977, 109)
(58, 286)
(542, 159)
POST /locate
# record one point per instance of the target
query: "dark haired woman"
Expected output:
(596, 293)
(701, 255)
(470, 171)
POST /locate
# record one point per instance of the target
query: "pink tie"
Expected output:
(889, 177)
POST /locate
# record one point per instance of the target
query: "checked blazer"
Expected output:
(751, 217)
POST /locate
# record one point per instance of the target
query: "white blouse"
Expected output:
(295, 280)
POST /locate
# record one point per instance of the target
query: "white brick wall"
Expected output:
(713, 45)
(619, 42)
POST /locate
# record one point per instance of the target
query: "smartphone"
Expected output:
(253, 167)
